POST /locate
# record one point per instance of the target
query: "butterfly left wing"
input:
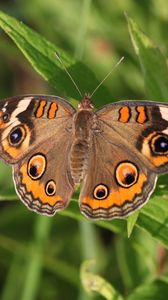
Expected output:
(129, 149)
(35, 139)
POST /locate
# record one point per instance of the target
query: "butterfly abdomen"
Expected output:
(78, 159)
(83, 123)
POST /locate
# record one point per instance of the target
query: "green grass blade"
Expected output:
(35, 261)
(152, 61)
(131, 221)
(135, 254)
(158, 289)
(83, 29)
(14, 282)
(153, 218)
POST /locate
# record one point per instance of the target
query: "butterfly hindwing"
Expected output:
(43, 179)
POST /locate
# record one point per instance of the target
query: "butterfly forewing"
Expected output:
(143, 126)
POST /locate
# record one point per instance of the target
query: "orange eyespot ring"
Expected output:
(126, 174)
(17, 135)
(100, 192)
(36, 166)
(50, 188)
(159, 144)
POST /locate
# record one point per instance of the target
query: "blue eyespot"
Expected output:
(16, 135)
(161, 144)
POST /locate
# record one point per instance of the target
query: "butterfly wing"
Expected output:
(43, 179)
(36, 138)
(128, 151)
(144, 125)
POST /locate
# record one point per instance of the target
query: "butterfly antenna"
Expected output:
(61, 62)
(115, 66)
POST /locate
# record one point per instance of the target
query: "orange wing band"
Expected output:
(124, 114)
(142, 115)
(40, 109)
(52, 110)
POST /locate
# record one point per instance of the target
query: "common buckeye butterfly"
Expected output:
(115, 153)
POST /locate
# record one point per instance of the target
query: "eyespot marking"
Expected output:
(159, 144)
(158, 159)
(17, 135)
(36, 166)
(50, 188)
(100, 192)
(124, 114)
(126, 174)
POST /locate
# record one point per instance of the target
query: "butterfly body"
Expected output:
(85, 123)
(115, 153)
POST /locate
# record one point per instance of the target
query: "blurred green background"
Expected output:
(40, 257)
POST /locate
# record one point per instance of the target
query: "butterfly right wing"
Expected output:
(129, 149)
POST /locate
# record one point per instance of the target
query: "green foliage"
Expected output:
(152, 61)
(158, 289)
(40, 256)
(94, 283)
(41, 54)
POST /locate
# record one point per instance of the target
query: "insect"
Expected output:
(115, 153)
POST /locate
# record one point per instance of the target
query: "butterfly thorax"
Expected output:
(84, 119)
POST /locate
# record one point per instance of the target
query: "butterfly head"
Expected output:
(86, 103)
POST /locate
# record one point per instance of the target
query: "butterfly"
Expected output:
(115, 153)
